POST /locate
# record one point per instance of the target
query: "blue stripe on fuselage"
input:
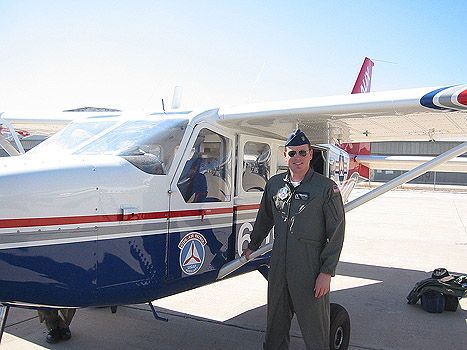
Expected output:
(110, 272)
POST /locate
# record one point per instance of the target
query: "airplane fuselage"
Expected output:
(111, 220)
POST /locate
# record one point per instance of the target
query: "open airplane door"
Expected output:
(258, 159)
(201, 206)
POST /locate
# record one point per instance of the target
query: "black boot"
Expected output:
(53, 336)
(65, 333)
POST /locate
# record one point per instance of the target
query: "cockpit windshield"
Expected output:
(149, 145)
(75, 134)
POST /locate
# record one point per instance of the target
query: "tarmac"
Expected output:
(391, 243)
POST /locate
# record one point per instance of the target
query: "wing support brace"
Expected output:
(406, 177)
(3, 316)
(156, 316)
(5, 144)
(452, 153)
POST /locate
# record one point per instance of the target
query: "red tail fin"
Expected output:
(363, 83)
(355, 149)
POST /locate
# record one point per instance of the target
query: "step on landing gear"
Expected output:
(339, 335)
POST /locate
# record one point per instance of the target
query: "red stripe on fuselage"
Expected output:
(76, 220)
(198, 212)
(247, 207)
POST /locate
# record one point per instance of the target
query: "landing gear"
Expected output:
(3, 316)
(264, 270)
(156, 316)
(339, 335)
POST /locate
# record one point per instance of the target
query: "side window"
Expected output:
(206, 174)
(256, 166)
(281, 163)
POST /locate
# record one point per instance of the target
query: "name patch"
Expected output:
(302, 196)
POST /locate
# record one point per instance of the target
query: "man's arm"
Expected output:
(334, 214)
(335, 226)
(263, 224)
(322, 284)
(247, 252)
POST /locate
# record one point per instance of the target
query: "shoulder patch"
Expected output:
(335, 189)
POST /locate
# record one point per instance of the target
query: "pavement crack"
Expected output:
(20, 322)
(464, 225)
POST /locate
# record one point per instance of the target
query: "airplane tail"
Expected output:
(363, 83)
(354, 150)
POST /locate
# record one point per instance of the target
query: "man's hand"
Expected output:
(322, 284)
(247, 252)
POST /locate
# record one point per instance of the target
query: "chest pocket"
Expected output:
(304, 204)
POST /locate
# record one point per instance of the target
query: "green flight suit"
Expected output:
(55, 320)
(309, 228)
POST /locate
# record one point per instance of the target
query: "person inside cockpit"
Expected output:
(193, 187)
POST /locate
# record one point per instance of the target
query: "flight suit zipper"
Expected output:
(289, 204)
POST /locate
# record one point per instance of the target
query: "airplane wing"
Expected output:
(457, 165)
(42, 123)
(415, 114)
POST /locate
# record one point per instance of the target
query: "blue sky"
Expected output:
(130, 54)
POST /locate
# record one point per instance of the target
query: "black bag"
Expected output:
(440, 292)
(434, 302)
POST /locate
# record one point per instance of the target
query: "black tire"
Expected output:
(339, 335)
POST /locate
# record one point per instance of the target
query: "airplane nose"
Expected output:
(47, 243)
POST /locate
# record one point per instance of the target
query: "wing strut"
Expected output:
(8, 148)
(452, 153)
(406, 177)
(3, 316)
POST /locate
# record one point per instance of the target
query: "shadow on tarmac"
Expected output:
(380, 319)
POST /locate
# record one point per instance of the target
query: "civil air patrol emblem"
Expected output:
(192, 252)
(283, 193)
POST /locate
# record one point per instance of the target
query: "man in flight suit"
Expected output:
(307, 213)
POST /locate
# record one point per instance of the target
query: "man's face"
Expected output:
(297, 163)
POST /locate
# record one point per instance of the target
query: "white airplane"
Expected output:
(123, 208)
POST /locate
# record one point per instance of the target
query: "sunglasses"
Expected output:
(301, 153)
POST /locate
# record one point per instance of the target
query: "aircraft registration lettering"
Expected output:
(366, 81)
(192, 252)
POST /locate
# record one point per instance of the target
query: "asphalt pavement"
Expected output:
(391, 243)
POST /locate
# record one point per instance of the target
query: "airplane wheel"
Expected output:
(339, 335)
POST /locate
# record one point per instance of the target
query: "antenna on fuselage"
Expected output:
(254, 84)
(163, 106)
(177, 97)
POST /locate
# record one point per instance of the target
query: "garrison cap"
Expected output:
(297, 138)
